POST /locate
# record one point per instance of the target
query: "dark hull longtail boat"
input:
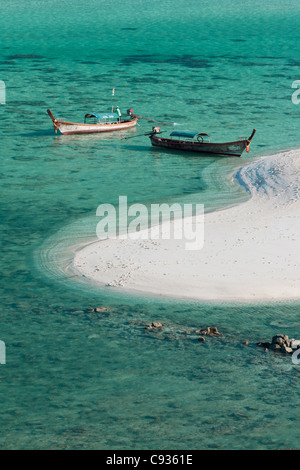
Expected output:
(199, 142)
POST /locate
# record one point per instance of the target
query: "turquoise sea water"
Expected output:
(80, 380)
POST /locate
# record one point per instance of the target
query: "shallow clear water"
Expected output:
(75, 379)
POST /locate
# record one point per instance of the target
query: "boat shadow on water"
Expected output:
(191, 155)
(105, 139)
(156, 152)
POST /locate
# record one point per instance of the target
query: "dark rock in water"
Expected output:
(98, 309)
(264, 345)
(295, 344)
(213, 330)
(154, 326)
(281, 343)
(286, 349)
(275, 347)
(280, 339)
(201, 339)
(209, 331)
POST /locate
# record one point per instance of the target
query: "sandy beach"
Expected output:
(250, 253)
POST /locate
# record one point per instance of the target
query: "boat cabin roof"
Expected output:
(188, 134)
(102, 116)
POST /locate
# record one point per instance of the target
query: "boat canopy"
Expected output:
(188, 134)
(102, 116)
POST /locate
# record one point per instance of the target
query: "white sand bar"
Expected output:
(251, 251)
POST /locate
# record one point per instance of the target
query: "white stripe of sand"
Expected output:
(251, 251)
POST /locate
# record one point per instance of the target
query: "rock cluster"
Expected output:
(281, 343)
(209, 331)
(98, 309)
(154, 326)
(172, 331)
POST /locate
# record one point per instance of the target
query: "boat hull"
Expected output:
(234, 149)
(67, 128)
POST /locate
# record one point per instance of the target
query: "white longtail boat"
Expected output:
(106, 122)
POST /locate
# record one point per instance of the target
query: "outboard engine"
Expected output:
(156, 130)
